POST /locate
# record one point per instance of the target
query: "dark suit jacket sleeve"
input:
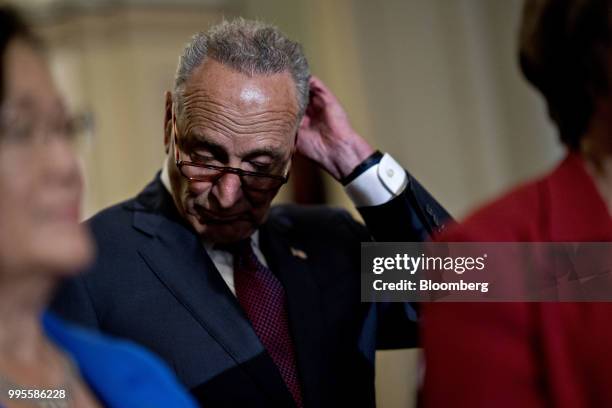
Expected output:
(73, 301)
(413, 216)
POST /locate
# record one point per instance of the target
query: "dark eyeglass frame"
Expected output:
(222, 170)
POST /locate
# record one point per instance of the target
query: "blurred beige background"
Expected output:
(434, 82)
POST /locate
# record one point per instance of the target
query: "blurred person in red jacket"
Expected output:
(540, 354)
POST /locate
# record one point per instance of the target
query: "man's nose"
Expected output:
(228, 190)
(60, 163)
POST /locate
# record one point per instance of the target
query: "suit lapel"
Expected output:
(177, 257)
(288, 260)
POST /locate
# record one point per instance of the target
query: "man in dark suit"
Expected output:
(253, 306)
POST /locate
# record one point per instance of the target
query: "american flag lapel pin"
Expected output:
(298, 253)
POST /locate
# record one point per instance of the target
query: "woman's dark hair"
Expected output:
(564, 52)
(12, 26)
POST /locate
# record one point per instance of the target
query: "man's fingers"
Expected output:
(324, 98)
(318, 88)
(305, 121)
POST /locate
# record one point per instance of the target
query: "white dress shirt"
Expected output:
(375, 186)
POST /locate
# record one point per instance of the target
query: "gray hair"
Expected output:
(250, 47)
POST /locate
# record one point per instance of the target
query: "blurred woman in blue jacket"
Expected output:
(45, 362)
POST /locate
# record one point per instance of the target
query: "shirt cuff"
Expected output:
(379, 184)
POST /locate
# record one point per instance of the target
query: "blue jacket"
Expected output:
(120, 373)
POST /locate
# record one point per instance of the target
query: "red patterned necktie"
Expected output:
(263, 298)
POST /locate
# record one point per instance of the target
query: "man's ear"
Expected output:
(168, 121)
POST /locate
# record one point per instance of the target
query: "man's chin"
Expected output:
(224, 233)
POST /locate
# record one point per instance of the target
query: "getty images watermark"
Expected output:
(422, 272)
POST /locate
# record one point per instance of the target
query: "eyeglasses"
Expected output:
(252, 181)
(19, 128)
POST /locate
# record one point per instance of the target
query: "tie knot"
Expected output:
(245, 259)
